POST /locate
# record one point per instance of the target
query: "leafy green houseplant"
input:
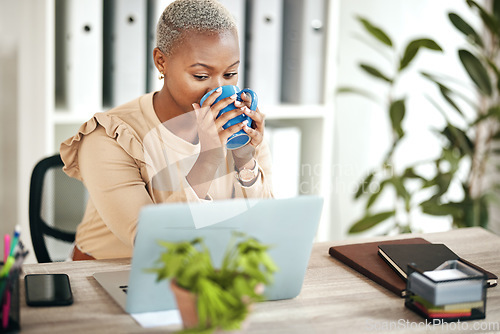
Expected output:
(469, 137)
(387, 176)
(222, 295)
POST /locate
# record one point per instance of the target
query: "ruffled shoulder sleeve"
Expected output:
(115, 127)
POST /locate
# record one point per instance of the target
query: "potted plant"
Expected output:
(470, 135)
(210, 298)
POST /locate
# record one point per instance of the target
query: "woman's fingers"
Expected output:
(212, 97)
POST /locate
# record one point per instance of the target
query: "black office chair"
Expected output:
(56, 206)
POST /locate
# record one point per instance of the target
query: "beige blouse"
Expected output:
(127, 159)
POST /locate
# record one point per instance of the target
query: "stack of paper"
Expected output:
(453, 291)
(284, 143)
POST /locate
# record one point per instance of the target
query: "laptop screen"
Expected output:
(287, 225)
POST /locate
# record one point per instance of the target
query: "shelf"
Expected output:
(276, 112)
(61, 116)
(296, 111)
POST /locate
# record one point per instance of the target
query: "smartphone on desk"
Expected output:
(48, 290)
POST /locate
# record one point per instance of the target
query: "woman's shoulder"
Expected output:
(137, 115)
(126, 124)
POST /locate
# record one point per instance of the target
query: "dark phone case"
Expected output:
(30, 282)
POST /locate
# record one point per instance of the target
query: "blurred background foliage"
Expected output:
(469, 139)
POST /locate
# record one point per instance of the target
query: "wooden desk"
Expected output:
(334, 298)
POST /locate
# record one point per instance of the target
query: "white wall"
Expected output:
(8, 114)
(26, 63)
(363, 127)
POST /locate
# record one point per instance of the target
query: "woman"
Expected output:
(164, 147)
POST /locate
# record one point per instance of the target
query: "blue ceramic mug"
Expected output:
(240, 138)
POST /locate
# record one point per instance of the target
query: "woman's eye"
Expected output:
(230, 75)
(200, 77)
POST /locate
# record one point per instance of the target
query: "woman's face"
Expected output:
(200, 63)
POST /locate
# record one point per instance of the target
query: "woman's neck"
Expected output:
(180, 123)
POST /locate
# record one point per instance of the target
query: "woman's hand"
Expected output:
(212, 139)
(244, 155)
(211, 134)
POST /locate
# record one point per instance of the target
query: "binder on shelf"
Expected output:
(237, 9)
(155, 9)
(125, 42)
(285, 146)
(304, 30)
(263, 49)
(79, 55)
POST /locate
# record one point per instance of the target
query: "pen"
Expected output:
(6, 267)
(6, 247)
(3, 283)
(12, 268)
(14, 265)
(6, 310)
(6, 302)
(17, 231)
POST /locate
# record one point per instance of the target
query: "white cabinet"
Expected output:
(42, 126)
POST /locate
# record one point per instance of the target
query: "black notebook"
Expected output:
(425, 257)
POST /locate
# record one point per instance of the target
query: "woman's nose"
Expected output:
(217, 82)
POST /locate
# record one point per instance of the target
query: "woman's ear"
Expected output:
(159, 60)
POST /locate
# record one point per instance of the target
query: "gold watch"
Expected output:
(246, 175)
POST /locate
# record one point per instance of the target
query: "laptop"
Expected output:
(287, 225)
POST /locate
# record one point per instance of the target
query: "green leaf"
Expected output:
(489, 21)
(476, 71)
(458, 138)
(398, 184)
(447, 89)
(493, 112)
(411, 174)
(392, 149)
(364, 185)
(412, 50)
(465, 28)
(475, 212)
(436, 209)
(375, 72)
(370, 221)
(443, 182)
(445, 92)
(397, 112)
(375, 31)
(358, 91)
(452, 158)
(373, 197)
(496, 9)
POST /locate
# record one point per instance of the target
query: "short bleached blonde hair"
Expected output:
(191, 15)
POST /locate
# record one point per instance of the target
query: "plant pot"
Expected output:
(186, 303)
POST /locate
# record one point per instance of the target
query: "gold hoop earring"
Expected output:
(161, 76)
